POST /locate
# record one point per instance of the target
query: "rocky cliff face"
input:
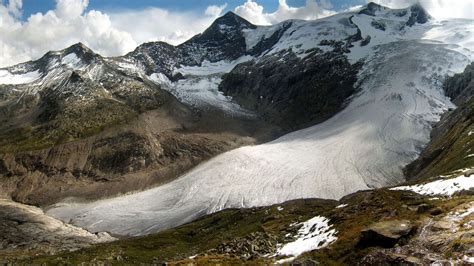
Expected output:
(293, 92)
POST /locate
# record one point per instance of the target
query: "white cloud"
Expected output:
(215, 11)
(156, 24)
(254, 12)
(14, 7)
(70, 8)
(437, 8)
(56, 29)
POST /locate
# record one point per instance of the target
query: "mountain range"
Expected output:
(242, 116)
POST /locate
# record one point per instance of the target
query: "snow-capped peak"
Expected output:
(413, 14)
(78, 56)
(232, 21)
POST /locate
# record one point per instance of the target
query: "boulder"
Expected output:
(386, 234)
(443, 225)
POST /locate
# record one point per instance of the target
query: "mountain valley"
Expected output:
(343, 140)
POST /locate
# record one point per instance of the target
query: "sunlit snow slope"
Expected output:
(366, 145)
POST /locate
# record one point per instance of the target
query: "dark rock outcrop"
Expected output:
(386, 234)
(460, 87)
(223, 40)
(418, 15)
(371, 8)
(293, 92)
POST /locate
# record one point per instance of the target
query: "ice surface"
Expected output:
(364, 146)
(8, 78)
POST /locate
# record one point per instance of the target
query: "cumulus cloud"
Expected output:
(56, 29)
(14, 7)
(255, 13)
(156, 24)
(437, 8)
(214, 10)
(71, 8)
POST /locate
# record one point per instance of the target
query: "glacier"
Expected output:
(366, 145)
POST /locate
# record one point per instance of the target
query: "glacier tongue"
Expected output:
(364, 146)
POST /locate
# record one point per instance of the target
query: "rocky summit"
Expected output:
(346, 140)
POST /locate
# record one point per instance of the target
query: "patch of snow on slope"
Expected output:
(304, 35)
(199, 87)
(71, 60)
(8, 78)
(200, 92)
(209, 68)
(129, 67)
(160, 78)
(314, 234)
(446, 187)
(254, 36)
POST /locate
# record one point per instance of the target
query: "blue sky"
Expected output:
(34, 6)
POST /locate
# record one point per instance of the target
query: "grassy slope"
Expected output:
(177, 245)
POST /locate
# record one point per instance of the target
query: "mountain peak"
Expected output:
(417, 12)
(78, 48)
(418, 15)
(233, 20)
(371, 8)
(84, 53)
(230, 14)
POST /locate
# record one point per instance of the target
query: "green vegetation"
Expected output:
(75, 121)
